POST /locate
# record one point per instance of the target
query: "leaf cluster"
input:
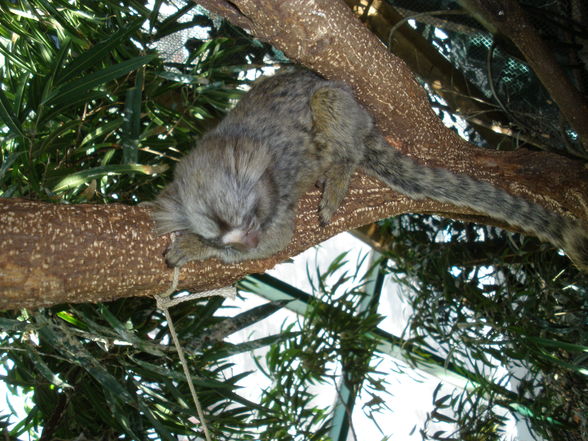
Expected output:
(484, 298)
(91, 111)
(109, 371)
(335, 348)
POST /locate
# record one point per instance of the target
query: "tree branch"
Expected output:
(55, 254)
(63, 253)
(463, 98)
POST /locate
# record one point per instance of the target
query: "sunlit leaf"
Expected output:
(76, 179)
(91, 58)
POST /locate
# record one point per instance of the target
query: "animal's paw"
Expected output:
(175, 256)
(184, 248)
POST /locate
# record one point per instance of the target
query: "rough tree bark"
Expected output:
(86, 253)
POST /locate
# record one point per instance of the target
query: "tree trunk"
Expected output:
(86, 253)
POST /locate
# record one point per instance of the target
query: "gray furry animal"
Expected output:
(234, 196)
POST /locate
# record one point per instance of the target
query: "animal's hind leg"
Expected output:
(335, 185)
(335, 115)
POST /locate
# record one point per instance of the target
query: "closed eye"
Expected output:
(221, 225)
(214, 242)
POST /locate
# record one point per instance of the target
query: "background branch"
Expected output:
(506, 17)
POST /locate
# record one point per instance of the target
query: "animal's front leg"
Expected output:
(187, 247)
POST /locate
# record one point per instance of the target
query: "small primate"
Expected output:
(234, 196)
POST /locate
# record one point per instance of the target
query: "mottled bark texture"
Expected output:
(86, 253)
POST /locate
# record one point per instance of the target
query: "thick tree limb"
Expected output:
(62, 253)
(55, 254)
(424, 60)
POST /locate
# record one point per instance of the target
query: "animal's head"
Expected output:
(223, 192)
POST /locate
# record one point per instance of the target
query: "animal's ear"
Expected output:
(167, 211)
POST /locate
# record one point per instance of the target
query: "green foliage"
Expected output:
(108, 371)
(489, 298)
(89, 111)
(475, 419)
(336, 343)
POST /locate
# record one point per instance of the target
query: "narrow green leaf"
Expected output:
(159, 428)
(108, 382)
(120, 415)
(441, 401)
(231, 325)
(101, 131)
(174, 20)
(45, 371)
(127, 335)
(8, 161)
(108, 155)
(132, 120)
(8, 117)
(56, 15)
(92, 57)
(558, 344)
(76, 179)
(59, 62)
(76, 90)
(440, 417)
(228, 350)
(17, 105)
(154, 15)
(71, 319)
(165, 372)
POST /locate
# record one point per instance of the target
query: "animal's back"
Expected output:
(277, 111)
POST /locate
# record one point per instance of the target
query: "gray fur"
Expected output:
(293, 130)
